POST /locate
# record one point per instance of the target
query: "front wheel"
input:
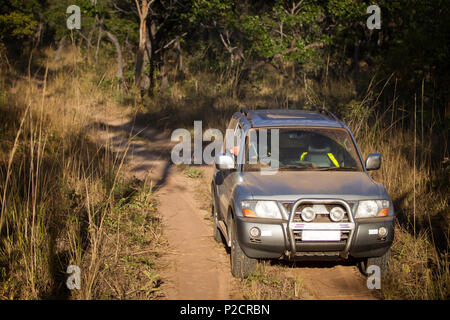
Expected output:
(241, 265)
(382, 262)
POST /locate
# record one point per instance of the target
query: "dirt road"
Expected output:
(196, 267)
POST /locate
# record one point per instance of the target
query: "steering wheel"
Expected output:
(307, 164)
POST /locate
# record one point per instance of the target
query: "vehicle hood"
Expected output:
(292, 185)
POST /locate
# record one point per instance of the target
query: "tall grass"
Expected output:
(418, 186)
(59, 188)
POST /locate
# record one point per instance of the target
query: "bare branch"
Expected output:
(227, 44)
(138, 8)
(84, 37)
(118, 8)
(296, 7)
(171, 42)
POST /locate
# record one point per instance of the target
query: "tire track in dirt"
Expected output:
(198, 267)
(333, 281)
(195, 266)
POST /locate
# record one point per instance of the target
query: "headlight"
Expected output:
(337, 214)
(372, 208)
(308, 214)
(261, 209)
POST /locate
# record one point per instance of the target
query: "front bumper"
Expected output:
(278, 239)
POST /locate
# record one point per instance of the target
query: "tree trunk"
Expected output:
(60, 49)
(356, 62)
(180, 57)
(140, 53)
(89, 37)
(116, 43)
(164, 79)
(99, 39)
(143, 13)
(151, 29)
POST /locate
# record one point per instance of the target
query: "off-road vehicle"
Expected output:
(314, 201)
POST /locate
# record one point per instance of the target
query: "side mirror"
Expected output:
(373, 161)
(224, 161)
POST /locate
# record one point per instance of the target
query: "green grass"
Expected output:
(193, 173)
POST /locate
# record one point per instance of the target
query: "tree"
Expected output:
(143, 10)
(20, 22)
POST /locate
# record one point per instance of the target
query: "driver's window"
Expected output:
(230, 130)
(237, 138)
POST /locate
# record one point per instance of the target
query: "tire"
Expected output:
(241, 265)
(382, 262)
(216, 232)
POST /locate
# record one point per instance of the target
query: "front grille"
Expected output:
(320, 243)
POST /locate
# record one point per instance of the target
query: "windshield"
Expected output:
(324, 149)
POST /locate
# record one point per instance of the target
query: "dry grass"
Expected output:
(417, 183)
(273, 283)
(64, 197)
(420, 261)
(132, 245)
(416, 271)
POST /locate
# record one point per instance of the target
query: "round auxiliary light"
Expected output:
(382, 232)
(337, 214)
(308, 214)
(255, 232)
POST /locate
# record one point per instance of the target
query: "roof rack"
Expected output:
(329, 113)
(244, 111)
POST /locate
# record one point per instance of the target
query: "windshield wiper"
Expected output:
(293, 167)
(307, 168)
(337, 169)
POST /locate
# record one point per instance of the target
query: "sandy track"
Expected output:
(195, 266)
(198, 268)
(333, 281)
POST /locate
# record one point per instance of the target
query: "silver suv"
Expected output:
(313, 200)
